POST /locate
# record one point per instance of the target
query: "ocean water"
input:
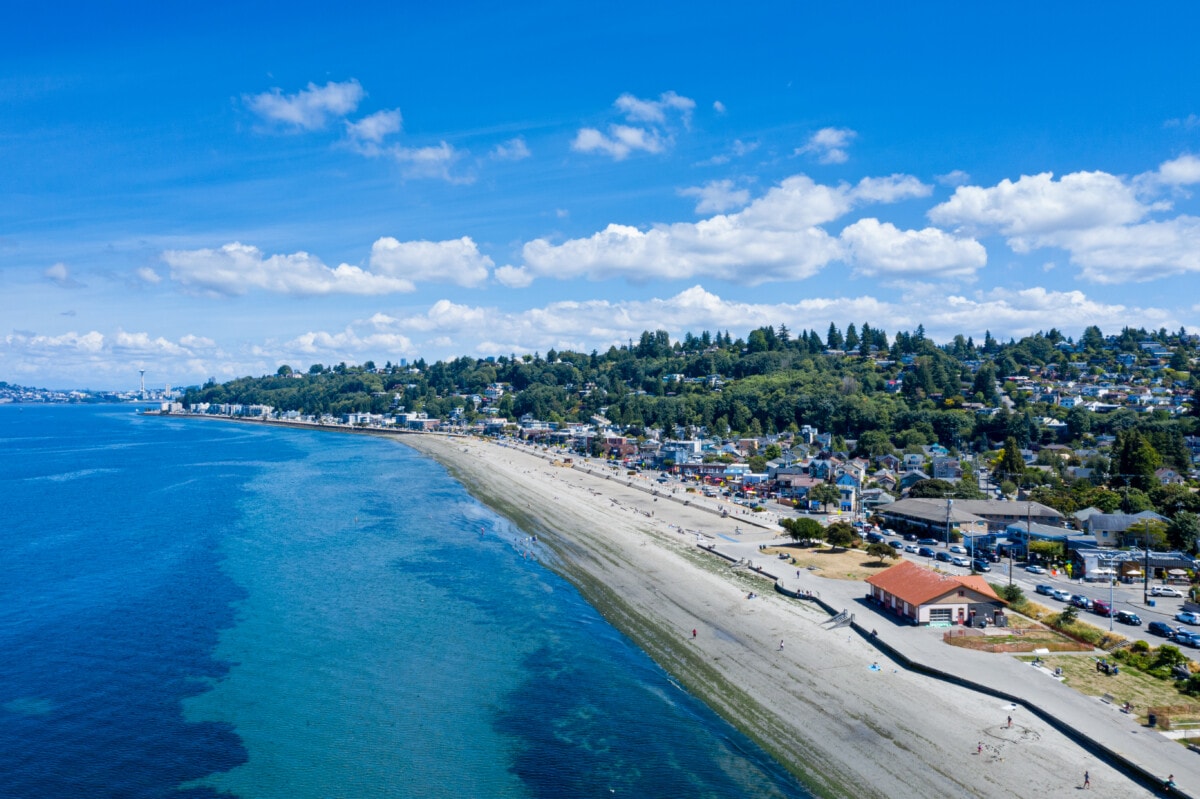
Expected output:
(194, 608)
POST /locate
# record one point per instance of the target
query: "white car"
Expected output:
(1164, 590)
(1033, 568)
(959, 560)
(910, 548)
(1187, 617)
(958, 549)
(1061, 595)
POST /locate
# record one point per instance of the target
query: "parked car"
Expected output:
(1033, 568)
(928, 542)
(981, 565)
(910, 536)
(1160, 628)
(958, 549)
(1164, 590)
(910, 548)
(1125, 617)
(959, 560)
(889, 531)
(1187, 638)
(943, 556)
(1101, 608)
(874, 538)
(1061, 595)
(1187, 617)
(1080, 601)
(897, 545)
(925, 552)
(1044, 590)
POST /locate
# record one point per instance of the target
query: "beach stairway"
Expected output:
(840, 620)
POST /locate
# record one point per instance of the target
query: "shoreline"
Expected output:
(832, 709)
(818, 706)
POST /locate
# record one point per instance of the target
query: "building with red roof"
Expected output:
(926, 596)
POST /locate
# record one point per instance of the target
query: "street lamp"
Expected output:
(1108, 565)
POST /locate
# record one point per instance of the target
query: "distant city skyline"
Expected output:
(215, 192)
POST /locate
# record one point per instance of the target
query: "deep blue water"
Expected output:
(195, 608)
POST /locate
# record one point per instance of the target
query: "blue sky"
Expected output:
(212, 191)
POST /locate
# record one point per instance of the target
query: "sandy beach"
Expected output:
(807, 694)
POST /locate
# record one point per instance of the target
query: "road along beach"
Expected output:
(828, 705)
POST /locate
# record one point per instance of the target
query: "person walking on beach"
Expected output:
(693, 633)
(1010, 722)
(781, 645)
(1087, 781)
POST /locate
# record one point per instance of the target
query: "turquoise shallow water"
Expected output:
(273, 613)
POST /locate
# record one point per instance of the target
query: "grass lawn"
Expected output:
(1140, 690)
(843, 564)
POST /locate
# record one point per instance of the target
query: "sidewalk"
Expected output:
(1111, 735)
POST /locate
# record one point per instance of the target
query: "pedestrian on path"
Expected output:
(1087, 781)
(781, 645)
(979, 748)
(693, 633)
(1010, 722)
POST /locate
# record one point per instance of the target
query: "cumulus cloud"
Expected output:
(1182, 171)
(308, 109)
(719, 107)
(828, 145)
(1102, 220)
(376, 127)
(428, 162)
(60, 275)
(512, 150)
(876, 248)
(455, 261)
(514, 277)
(1038, 206)
(584, 325)
(236, 268)
(650, 128)
(717, 196)
(776, 237)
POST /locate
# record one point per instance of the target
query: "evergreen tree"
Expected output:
(833, 339)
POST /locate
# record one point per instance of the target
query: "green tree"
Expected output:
(825, 493)
(1011, 464)
(803, 529)
(1134, 461)
(931, 489)
(1184, 531)
(840, 535)
(881, 551)
(1150, 531)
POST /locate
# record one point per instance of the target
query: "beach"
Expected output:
(824, 702)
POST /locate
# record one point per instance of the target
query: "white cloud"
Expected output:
(1100, 219)
(348, 345)
(1182, 171)
(651, 131)
(60, 275)
(428, 162)
(776, 237)
(511, 150)
(597, 324)
(308, 109)
(148, 275)
(237, 268)
(1188, 122)
(717, 196)
(719, 106)
(143, 344)
(455, 261)
(1135, 253)
(890, 189)
(876, 248)
(1036, 207)
(514, 277)
(828, 145)
(655, 111)
(620, 141)
(955, 177)
(376, 127)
